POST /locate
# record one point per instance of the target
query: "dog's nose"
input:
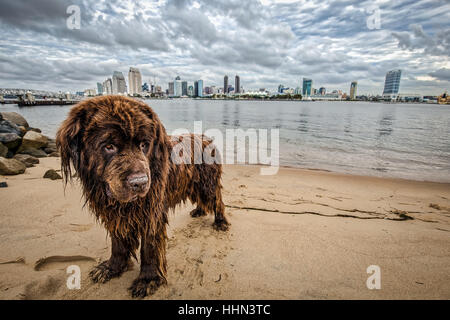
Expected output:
(137, 181)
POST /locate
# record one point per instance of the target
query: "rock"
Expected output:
(34, 140)
(11, 166)
(3, 184)
(15, 118)
(52, 174)
(10, 140)
(38, 153)
(55, 154)
(26, 159)
(50, 150)
(3, 150)
(35, 130)
(23, 129)
(9, 127)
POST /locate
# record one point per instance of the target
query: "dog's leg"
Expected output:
(153, 264)
(117, 263)
(220, 221)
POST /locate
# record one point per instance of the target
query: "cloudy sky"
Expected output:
(266, 42)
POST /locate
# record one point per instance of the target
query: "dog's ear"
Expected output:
(68, 142)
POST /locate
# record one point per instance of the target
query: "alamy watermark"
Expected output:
(74, 280)
(374, 281)
(251, 146)
(74, 20)
(374, 19)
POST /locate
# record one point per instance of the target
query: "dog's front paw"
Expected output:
(104, 272)
(142, 287)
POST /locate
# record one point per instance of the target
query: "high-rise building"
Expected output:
(99, 88)
(107, 86)
(280, 88)
(118, 83)
(184, 88)
(199, 88)
(353, 88)
(134, 81)
(225, 84)
(307, 87)
(190, 91)
(195, 88)
(145, 87)
(237, 84)
(171, 89)
(392, 84)
(177, 87)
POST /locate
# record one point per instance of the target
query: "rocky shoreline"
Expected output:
(21, 146)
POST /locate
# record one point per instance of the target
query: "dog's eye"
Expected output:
(110, 148)
(144, 146)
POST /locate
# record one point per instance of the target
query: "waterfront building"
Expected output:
(145, 87)
(353, 88)
(89, 92)
(392, 84)
(190, 91)
(322, 91)
(237, 84)
(170, 91)
(107, 86)
(177, 87)
(99, 88)
(225, 84)
(134, 81)
(307, 87)
(280, 88)
(184, 88)
(200, 88)
(119, 86)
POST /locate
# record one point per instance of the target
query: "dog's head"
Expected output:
(116, 145)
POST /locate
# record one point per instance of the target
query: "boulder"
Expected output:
(9, 127)
(3, 150)
(52, 174)
(38, 153)
(35, 129)
(34, 140)
(3, 184)
(10, 140)
(50, 150)
(26, 159)
(23, 129)
(55, 154)
(15, 118)
(11, 166)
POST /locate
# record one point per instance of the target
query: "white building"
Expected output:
(119, 86)
(107, 86)
(134, 81)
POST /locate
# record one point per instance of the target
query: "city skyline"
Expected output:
(264, 42)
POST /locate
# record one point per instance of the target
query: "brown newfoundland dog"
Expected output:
(123, 156)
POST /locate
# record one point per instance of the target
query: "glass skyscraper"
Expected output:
(307, 87)
(200, 88)
(392, 84)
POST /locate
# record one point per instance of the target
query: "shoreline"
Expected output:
(301, 234)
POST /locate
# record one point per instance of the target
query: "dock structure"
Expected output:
(28, 100)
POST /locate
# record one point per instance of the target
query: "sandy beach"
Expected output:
(301, 234)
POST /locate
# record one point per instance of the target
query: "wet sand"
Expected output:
(301, 234)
